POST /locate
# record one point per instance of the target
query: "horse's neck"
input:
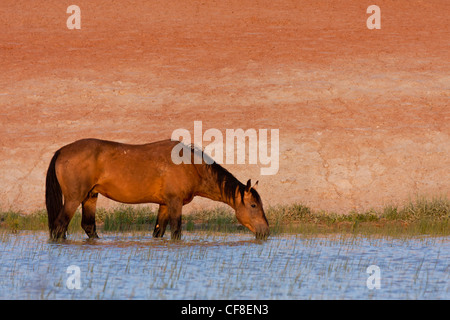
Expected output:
(210, 188)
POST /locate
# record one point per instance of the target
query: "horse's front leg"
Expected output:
(161, 221)
(175, 209)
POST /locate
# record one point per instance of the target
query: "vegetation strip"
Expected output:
(421, 216)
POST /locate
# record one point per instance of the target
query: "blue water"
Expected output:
(223, 266)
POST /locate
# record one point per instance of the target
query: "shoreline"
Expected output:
(421, 216)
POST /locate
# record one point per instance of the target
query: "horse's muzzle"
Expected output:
(262, 233)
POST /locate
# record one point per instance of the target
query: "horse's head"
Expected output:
(250, 212)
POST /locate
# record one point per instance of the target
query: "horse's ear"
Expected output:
(256, 185)
(249, 185)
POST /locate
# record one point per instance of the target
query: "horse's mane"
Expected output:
(227, 182)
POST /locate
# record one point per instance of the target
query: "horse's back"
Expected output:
(125, 172)
(115, 152)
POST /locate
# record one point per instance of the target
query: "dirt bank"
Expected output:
(363, 114)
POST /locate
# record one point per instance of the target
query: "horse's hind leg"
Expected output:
(88, 215)
(161, 221)
(62, 221)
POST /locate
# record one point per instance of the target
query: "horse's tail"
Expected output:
(53, 193)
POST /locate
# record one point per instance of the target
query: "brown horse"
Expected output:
(79, 171)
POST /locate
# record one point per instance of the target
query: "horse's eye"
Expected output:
(253, 205)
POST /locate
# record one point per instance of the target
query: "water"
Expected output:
(223, 266)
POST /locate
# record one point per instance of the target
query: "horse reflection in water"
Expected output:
(126, 173)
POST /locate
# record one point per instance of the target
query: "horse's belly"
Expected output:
(129, 194)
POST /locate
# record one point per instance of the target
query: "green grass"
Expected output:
(420, 216)
(15, 221)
